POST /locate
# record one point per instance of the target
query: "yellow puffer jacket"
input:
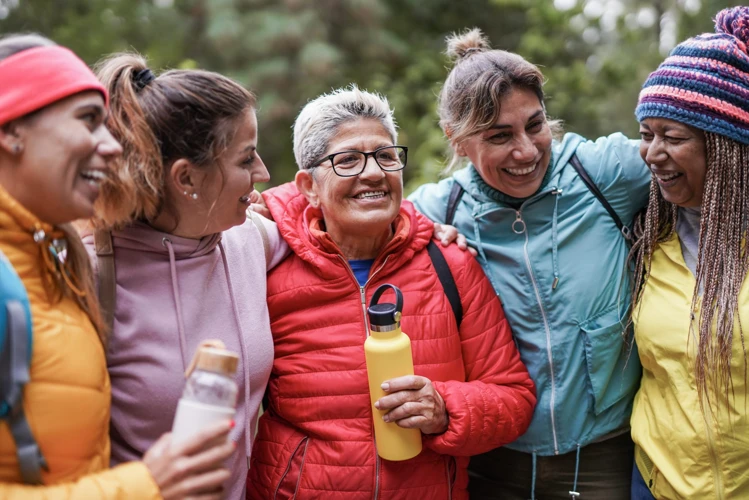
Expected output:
(680, 452)
(67, 401)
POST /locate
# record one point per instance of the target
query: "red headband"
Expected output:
(35, 78)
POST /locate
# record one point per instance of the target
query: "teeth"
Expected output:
(245, 199)
(668, 177)
(370, 194)
(93, 177)
(521, 171)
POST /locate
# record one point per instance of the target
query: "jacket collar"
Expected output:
(19, 225)
(303, 228)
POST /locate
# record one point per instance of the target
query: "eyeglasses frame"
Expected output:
(330, 158)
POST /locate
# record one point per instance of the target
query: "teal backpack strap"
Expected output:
(15, 358)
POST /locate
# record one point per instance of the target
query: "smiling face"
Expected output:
(513, 155)
(66, 150)
(364, 205)
(676, 155)
(225, 192)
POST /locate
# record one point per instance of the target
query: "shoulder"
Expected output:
(431, 198)
(258, 236)
(611, 157)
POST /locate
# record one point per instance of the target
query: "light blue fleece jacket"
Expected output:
(570, 336)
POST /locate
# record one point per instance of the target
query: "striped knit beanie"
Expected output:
(704, 81)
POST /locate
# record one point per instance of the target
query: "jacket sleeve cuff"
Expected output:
(137, 481)
(455, 438)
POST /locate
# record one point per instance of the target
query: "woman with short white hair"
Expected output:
(350, 232)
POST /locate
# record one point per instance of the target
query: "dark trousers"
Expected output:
(604, 472)
(640, 490)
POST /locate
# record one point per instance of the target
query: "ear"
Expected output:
(185, 177)
(11, 141)
(306, 185)
(460, 149)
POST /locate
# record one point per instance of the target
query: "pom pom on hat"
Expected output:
(704, 81)
(734, 22)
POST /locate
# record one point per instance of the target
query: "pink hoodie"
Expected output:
(172, 293)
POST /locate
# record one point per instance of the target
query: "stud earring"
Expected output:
(194, 196)
(17, 148)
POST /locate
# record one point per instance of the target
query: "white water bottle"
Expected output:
(210, 393)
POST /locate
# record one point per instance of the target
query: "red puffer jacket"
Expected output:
(316, 438)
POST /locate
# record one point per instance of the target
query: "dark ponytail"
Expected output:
(188, 114)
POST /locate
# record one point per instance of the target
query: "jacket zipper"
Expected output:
(519, 221)
(713, 458)
(288, 465)
(706, 419)
(449, 477)
(363, 296)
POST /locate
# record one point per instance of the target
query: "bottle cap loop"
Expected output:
(385, 314)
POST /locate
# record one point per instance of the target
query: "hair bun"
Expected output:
(734, 21)
(461, 46)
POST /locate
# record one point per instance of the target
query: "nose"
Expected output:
(655, 151)
(372, 170)
(262, 174)
(525, 151)
(107, 146)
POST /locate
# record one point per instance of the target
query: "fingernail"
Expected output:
(385, 418)
(377, 405)
(232, 424)
(385, 386)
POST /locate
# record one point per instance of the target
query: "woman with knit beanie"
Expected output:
(690, 421)
(55, 150)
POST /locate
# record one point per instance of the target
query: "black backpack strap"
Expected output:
(626, 232)
(456, 193)
(30, 458)
(446, 278)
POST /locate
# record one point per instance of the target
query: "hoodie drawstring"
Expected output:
(177, 303)
(555, 238)
(245, 364)
(574, 493)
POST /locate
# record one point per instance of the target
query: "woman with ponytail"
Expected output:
(188, 263)
(55, 150)
(554, 246)
(690, 421)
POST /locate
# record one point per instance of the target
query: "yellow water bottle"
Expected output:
(388, 354)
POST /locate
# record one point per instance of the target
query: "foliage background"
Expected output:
(594, 53)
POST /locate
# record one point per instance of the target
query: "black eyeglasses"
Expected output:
(353, 163)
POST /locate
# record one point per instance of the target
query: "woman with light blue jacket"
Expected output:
(549, 220)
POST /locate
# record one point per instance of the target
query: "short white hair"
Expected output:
(319, 120)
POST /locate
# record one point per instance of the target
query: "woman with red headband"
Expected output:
(54, 152)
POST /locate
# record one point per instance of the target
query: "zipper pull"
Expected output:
(363, 296)
(518, 227)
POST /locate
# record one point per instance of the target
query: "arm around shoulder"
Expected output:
(431, 199)
(495, 404)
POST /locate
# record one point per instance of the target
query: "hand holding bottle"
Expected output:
(414, 403)
(193, 468)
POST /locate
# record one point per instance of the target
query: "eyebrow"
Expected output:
(249, 148)
(98, 109)
(537, 114)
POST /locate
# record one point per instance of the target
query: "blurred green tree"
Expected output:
(594, 53)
